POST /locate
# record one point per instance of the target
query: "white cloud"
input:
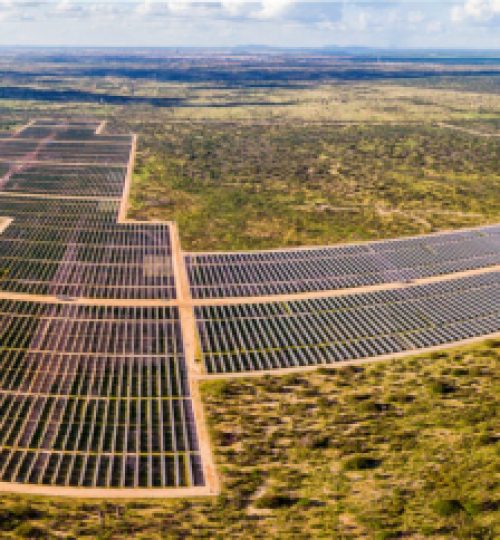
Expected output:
(77, 8)
(248, 9)
(181, 6)
(271, 9)
(479, 10)
(290, 22)
(234, 7)
(252, 9)
(70, 8)
(145, 8)
(10, 10)
(434, 27)
(64, 6)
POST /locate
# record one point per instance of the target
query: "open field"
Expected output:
(399, 449)
(343, 162)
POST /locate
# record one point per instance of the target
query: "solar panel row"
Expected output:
(77, 248)
(80, 180)
(100, 151)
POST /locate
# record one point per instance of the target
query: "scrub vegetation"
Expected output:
(234, 186)
(342, 161)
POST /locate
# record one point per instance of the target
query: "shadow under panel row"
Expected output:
(88, 312)
(77, 280)
(49, 241)
(71, 291)
(97, 425)
(145, 252)
(42, 150)
(51, 333)
(67, 180)
(77, 249)
(65, 123)
(58, 132)
(69, 441)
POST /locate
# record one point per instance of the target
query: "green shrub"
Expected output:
(327, 371)
(460, 372)
(361, 463)
(292, 379)
(16, 514)
(275, 501)
(217, 389)
(487, 438)
(447, 507)
(441, 388)
(31, 531)
(437, 355)
(370, 406)
(317, 442)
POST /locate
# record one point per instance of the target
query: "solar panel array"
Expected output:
(81, 180)
(95, 397)
(262, 336)
(77, 248)
(64, 159)
(91, 395)
(261, 273)
(44, 150)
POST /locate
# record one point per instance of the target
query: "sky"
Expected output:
(464, 24)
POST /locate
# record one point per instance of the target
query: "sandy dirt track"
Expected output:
(105, 493)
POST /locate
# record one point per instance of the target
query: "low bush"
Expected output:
(361, 463)
(441, 388)
(274, 501)
(448, 507)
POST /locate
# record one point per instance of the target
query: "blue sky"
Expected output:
(376, 23)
